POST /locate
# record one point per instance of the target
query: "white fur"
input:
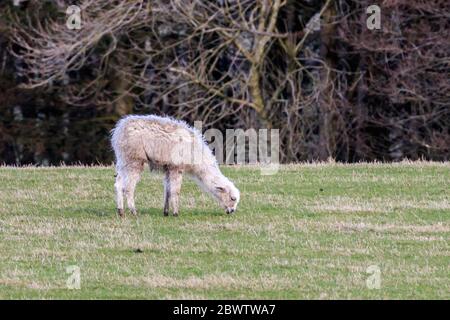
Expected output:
(174, 147)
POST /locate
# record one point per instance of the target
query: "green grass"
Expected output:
(309, 231)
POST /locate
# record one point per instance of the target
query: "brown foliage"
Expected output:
(312, 69)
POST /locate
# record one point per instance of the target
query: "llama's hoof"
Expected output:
(175, 214)
(166, 214)
(133, 212)
(120, 213)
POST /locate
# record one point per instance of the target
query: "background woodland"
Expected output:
(309, 68)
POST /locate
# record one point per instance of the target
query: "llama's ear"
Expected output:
(220, 189)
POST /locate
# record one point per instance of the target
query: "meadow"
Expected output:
(311, 231)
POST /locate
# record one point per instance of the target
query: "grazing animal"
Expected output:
(171, 146)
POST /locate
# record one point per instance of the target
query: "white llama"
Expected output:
(174, 147)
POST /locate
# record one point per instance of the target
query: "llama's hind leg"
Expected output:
(166, 193)
(132, 176)
(119, 188)
(175, 178)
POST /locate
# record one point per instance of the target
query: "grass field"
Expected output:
(310, 231)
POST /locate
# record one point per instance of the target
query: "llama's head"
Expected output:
(211, 180)
(226, 194)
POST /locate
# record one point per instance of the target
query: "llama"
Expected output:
(175, 148)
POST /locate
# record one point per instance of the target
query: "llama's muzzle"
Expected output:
(230, 210)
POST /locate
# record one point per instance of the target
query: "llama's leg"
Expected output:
(166, 193)
(133, 173)
(175, 179)
(118, 186)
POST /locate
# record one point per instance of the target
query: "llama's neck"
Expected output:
(205, 163)
(207, 176)
(206, 171)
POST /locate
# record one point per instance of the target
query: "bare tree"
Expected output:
(308, 68)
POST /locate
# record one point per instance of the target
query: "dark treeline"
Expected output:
(312, 69)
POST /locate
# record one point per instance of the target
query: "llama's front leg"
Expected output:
(175, 178)
(118, 186)
(132, 177)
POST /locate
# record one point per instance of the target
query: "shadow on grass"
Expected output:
(204, 213)
(154, 212)
(110, 212)
(183, 213)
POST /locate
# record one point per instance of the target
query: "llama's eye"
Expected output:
(220, 189)
(233, 198)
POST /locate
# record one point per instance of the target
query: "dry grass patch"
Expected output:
(309, 231)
